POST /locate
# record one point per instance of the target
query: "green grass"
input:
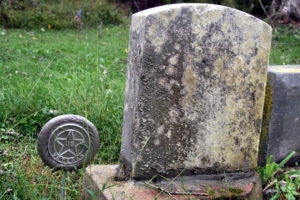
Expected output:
(285, 46)
(60, 14)
(44, 74)
(47, 73)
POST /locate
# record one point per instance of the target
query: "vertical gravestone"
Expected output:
(195, 91)
(280, 133)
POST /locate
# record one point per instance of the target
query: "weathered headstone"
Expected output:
(193, 108)
(195, 91)
(281, 126)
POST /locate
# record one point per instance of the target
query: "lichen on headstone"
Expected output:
(195, 91)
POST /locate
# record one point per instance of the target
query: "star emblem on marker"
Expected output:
(68, 147)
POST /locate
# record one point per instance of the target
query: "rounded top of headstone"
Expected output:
(285, 69)
(199, 8)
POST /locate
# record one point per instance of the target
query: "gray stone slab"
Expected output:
(194, 92)
(281, 129)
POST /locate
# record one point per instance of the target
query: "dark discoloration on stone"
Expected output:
(195, 90)
(281, 134)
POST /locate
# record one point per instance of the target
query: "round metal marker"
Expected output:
(68, 142)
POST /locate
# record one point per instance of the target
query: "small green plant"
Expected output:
(270, 170)
(286, 189)
(279, 183)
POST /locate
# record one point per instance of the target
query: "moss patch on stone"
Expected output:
(235, 191)
(223, 193)
(211, 192)
(265, 123)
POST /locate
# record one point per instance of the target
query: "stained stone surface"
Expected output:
(283, 114)
(194, 92)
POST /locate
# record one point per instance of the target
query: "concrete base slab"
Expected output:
(100, 183)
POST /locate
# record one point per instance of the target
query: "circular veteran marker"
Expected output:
(68, 142)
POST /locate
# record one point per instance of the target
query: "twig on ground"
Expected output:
(3, 153)
(162, 190)
(269, 185)
(12, 133)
